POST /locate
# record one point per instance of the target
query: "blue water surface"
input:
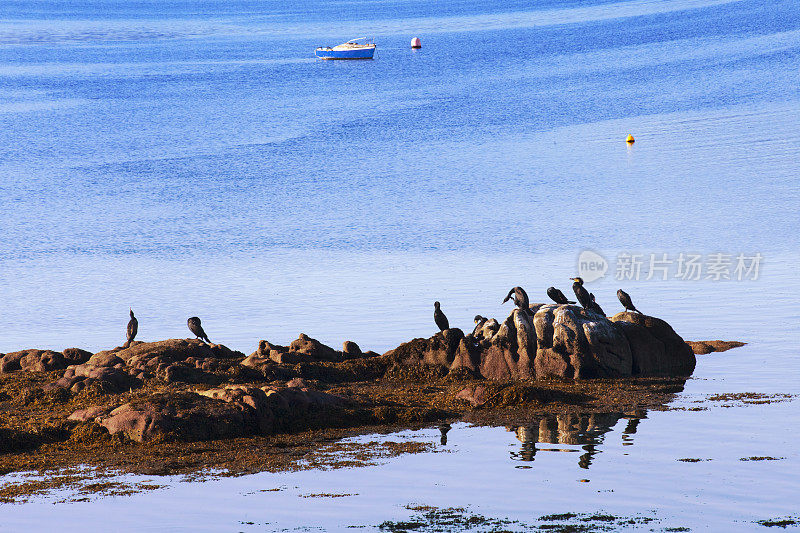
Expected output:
(193, 158)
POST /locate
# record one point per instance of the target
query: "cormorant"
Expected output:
(197, 329)
(520, 297)
(581, 293)
(479, 322)
(439, 318)
(557, 296)
(595, 306)
(625, 299)
(133, 328)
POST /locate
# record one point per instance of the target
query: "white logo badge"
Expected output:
(591, 266)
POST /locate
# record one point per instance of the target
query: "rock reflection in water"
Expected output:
(586, 430)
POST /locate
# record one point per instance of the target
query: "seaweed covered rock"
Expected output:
(304, 349)
(577, 343)
(75, 356)
(34, 360)
(111, 380)
(448, 350)
(707, 347)
(234, 410)
(314, 349)
(90, 413)
(173, 360)
(656, 348)
(179, 415)
(150, 354)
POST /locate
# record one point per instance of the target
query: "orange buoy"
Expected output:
(416, 43)
(630, 139)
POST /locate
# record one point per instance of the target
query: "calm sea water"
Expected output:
(193, 158)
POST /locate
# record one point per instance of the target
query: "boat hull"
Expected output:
(360, 53)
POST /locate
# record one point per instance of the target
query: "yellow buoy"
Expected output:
(630, 140)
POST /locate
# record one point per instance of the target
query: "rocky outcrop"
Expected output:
(476, 395)
(122, 369)
(111, 380)
(577, 343)
(304, 349)
(75, 356)
(168, 351)
(88, 414)
(449, 349)
(351, 350)
(235, 410)
(656, 348)
(707, 347)
(41, 360)
(510, 352)
(562, 341)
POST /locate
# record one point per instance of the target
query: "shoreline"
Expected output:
(186, 407)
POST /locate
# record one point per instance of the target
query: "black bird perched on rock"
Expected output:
(625, 299)
(557, 296)
(197, 329)
(595, 306)
(439, 318)
(520, 298)
(133, 328)
(581, 293)
(479, 322)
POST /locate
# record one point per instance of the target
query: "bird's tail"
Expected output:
(571, 302)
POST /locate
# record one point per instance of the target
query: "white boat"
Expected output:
(361, 48)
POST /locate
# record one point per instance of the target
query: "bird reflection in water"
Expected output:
(587, 431)
(443, 429)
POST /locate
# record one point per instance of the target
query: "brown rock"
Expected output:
(235, 410)
(351, 349)
(448, 349)
(34, 360)
(108, 379)
(181, 372)
(297, 382)
(657, 350)
(76, 356)
(42, 361)
(257, 361)
(181, 416)
(707, 347)
(511, 352)
(489, 330)
(90, 413)
(290, 358)
(10, 362)
(575, 343)
(313, 348)
(474, 394)
(105, 358)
